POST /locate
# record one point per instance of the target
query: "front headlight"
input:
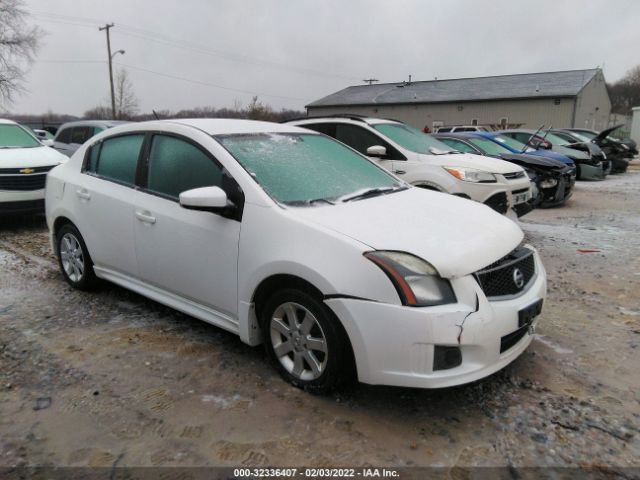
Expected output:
(471, 175)
(417, 282)
(548, 183)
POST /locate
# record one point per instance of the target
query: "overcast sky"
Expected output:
(291, 52)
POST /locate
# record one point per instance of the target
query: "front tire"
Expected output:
(74, 259)
(305, 341)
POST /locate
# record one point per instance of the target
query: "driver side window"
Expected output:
(360, 139)
(176, 166)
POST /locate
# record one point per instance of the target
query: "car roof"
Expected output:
(523, 130)
(344, 118)
(218, 126)
(93, 123)
(6, 121)
(473, 134)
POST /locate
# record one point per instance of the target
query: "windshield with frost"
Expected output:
(301, 169)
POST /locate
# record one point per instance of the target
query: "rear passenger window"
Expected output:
(118, 158)
(64, 136)
(81, 134)
(176, 166)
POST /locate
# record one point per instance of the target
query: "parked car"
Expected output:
(618, 152)
(462, 128)
(24, 163)
(426, 162)
(71, 135)
(611, 135)
(577, 141)
(552, 180)
(287, 237)
(589, 164)
(44, 136)
(517, 147)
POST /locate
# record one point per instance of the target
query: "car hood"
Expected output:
(533, 161)
(605, 133)
(457, 236)
(30, 157)
(479, 162)
(554, 155)
(576, 155)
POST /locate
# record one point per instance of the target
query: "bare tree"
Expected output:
(625, 93)
(126, 100)
(19, 43)
(101, 112)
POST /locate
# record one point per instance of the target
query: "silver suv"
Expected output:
(71, 135)
(426, 162)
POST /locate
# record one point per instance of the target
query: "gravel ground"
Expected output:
(112, 378)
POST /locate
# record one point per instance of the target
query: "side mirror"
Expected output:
(377, 151)
(208, 199)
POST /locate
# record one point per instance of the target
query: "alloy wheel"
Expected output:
(298, 341)
(72, 257)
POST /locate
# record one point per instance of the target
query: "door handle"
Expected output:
(83, 194)
(399, 172)
(146, 217)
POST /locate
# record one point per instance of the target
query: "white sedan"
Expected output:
(288, 238)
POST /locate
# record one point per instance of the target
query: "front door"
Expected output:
(190, 253)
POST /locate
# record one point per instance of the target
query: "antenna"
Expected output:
(370, 80)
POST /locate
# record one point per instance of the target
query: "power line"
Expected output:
(174, 77)
(152, 36)
(207, 84)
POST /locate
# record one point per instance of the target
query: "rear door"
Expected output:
(193, 254)
(104, 202)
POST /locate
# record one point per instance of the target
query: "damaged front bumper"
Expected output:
(407, 346)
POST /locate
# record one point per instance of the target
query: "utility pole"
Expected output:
(370, 80)
(113, 96)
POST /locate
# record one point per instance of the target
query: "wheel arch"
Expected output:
(276, 282)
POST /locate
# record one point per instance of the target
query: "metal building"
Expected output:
(576, 98)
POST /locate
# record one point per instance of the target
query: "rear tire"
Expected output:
(305, 341)
(74, 259)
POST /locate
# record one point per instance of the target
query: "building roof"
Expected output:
(526, 85)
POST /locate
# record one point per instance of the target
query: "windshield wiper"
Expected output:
(370, 192)
(306, 203)
(319, 200)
